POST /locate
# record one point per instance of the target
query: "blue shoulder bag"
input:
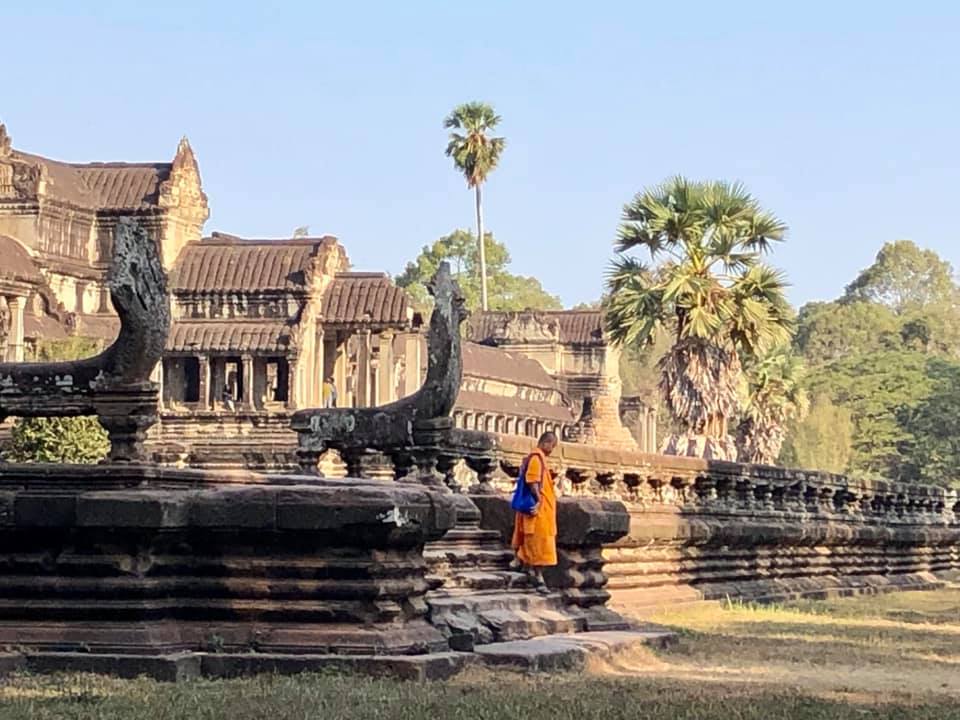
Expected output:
(523, 499)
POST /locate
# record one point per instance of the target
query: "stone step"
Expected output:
(480, 580)
(569, 651)
(471, 617)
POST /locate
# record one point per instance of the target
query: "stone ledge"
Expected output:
(11, 662)
(569, 652)
(186, 666)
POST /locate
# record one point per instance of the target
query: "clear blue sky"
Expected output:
(842, 117)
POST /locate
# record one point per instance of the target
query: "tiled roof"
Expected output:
(16, 264)
(367, 298)
(224, 263)
(106, 186)
(470, 401)
(125, 185)
(571, 327)
(229, 336)
(482, 361)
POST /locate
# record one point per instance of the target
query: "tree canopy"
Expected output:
(461, 250)
(705, 286)
(887, 353)
(904, 277)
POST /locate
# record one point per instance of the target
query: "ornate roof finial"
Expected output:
(184, 156)
(4, 141)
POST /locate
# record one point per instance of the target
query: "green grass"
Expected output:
(895, 656)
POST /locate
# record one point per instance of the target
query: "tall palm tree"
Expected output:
(775, 397)
(708, 288)
(475, 154)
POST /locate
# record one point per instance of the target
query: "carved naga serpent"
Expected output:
(114, 385)
(395, 425)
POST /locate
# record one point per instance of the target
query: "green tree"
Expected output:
(59, 440)
(932, 452)
(831, 331)
(775, 397)
(710, 292)
(823, 439)
(476, 155)
(460, 249)
(904, 277)
(878, 389)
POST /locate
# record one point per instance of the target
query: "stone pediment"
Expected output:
(20, 180)
(525, 328)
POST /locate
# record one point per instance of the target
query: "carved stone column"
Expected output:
(15, 339)
(386, 382)
(248, 383)
(293, 367)
(204, 386)
(363, 370)
(317, 372)
(411, 353)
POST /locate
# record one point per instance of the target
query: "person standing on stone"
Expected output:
(329, 393)
(535, 535)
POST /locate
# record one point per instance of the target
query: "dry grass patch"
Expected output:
(879, 658)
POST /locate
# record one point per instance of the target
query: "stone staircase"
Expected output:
(476, 599)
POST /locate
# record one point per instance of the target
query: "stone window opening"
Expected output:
(232, 383)
(277, 380)
(191, 379)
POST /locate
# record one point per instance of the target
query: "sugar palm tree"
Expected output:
(775, 397)
(709, 290)
(475, 154)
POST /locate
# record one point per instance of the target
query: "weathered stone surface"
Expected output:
(570, 652)
(167, 668)
(319, 567)
(116, 384)
(407, 423)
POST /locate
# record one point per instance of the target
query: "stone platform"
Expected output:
(551, 653)
(126, 560)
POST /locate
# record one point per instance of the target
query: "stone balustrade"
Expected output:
(707, 530)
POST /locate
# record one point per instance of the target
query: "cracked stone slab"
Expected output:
(569, 651)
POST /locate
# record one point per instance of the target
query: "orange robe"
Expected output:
(535, 537)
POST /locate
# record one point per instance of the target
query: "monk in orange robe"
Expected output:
(535, 535)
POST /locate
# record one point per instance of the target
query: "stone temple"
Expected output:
(402, 564)
(258, 324)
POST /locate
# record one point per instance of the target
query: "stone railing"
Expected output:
(705, 530)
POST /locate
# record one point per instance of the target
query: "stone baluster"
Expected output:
(705, 491)
(367, 463)
(744, 493)
(446, 465)
(825, 504)
(793, 498)
(607, 482)
(811, 498)
(308, 458)
(581, 479)
(763, 494)
(485, 465)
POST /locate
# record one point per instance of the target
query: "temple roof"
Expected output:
(491, 363)
(365, 298)
(233, 335)
(225, 263)
(470, 401)
(568, 327)
(102, 186)
(17, 265)
(125, 185)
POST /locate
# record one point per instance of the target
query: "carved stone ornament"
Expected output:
(399, 424)
(114, 385)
